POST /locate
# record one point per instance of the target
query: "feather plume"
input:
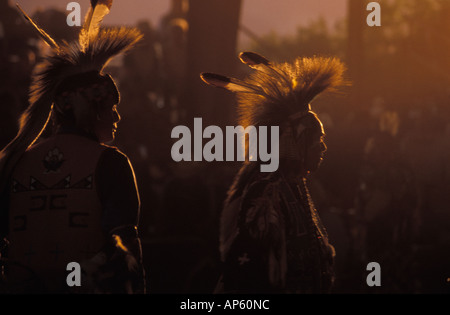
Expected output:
(98, 10)
(284, 89)
(253, 60)
(47, 38)
(231, 84)
(260, 63)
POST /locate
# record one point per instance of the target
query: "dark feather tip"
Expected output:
(253, 59)
(215, 79)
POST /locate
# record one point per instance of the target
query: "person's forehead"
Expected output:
(322, 129)
(316, 124)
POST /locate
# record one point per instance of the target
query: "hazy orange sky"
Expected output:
(261, 16)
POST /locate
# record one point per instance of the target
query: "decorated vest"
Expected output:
(55, 212)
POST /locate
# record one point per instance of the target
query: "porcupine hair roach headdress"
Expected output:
(68, 64)
(280, 94)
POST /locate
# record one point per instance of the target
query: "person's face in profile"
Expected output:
(108, 117)
(314, 145)
(315, 149)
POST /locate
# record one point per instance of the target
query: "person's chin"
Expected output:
(108, 139)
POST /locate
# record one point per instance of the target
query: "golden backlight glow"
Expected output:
(119, 243)
(383, 187)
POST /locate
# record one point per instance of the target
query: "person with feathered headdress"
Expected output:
(271, 237)
(69, 197)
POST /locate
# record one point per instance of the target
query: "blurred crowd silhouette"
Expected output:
(382, 191)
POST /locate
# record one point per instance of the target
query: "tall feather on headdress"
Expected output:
(98, 10)
(43, 34)
(92, 52)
